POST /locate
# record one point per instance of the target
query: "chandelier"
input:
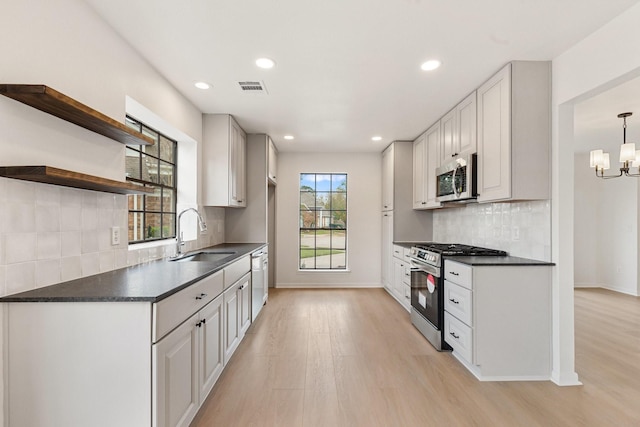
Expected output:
(629, 157)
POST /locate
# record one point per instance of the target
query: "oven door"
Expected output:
(425, 289)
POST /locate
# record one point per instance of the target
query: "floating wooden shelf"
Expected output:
(49, 175)
(53, 102)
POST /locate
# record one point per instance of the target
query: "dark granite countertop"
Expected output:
(498, 261)
(150, 282)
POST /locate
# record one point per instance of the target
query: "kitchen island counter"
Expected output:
(507, 261)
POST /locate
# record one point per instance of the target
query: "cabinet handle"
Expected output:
(424, 203)
(407, 297)
(201, 296)
(204, 321)
(199, 324)
(454, 301)
(453, 273)
(239, 201)
(454, 335)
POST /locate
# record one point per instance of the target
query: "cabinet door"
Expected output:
(231, 323)
(398, 279)
(211, 333)
(419, 177)
(175, 374)
(237, 159)
(387, 179)
(273, 161)
(494, 137)
(449, 137)
(432, 160)
(244, 294)
(466, 122)
(387, 249)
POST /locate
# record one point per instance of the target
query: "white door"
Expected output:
(466, 121)
(387, 179)
(432, 159)
(175, 374)
(387, 249)
(211, 333)
(449, 137)
(419, 199)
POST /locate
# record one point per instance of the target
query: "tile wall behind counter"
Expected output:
(521, 228)
(51, 234)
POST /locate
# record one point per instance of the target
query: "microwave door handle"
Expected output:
(455, 190)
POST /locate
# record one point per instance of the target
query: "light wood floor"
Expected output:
(352, 358)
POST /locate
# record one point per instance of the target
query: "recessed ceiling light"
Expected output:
(289, 137)
(376, 138)
(430, 65)
(202, 85)
(265, 63)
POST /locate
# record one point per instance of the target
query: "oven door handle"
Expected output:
(418, 266)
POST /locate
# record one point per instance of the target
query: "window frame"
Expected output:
(330, 228)
(163, 187)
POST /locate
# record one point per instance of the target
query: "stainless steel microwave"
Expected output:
(457, 180)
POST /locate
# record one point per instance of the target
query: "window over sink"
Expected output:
(152, 217)
(323, 221)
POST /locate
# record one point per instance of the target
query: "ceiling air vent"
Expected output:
(254, 87)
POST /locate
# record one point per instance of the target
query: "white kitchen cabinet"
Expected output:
(237, 311)
(426, 160)
(466, 120)
(175, 361)
(272, 162)
(448, 137)
(458, 130)
(154, 362)
(498, 319)
(419, 172)
(387, 250)
(211, 348)
(401, 282)
(514, 133)
(223, 161)
(387, 178)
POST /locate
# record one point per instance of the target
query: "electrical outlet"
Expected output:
(115, 236)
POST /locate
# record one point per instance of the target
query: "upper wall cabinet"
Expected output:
(387, 179)
(223, 162)
(426, 158)
(273, 162)
(458, 130)
(514, 133)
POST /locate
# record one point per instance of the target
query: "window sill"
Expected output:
(324, 271)
(154, 244)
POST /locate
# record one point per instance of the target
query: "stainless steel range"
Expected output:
(427, 283)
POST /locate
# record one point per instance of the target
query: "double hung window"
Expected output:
(323, 221)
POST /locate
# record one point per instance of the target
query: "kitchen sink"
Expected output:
(205, 256)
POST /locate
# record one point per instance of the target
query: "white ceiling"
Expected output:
(346, 69)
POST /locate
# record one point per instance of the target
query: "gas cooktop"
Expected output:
(450, 249)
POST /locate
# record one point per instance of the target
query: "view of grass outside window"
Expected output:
(153, 216)
(323, 221)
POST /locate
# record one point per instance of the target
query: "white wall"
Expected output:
(602, 60)
(363, 227)
(521, 228)
(606, 229)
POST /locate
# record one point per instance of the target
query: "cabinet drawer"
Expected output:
(171, 311)
(406, 301)
(398, 252)
(457, 301)
(459, 336)
(458, 273)
(235, 271)
(406, 254)
(406, 278)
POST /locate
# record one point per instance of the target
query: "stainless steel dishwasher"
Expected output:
(259, 281)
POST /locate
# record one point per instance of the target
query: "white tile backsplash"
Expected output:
(520, 228)
(20, 247)
(56, 234)
(47, 272)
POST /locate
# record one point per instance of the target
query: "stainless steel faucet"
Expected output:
(179, 239)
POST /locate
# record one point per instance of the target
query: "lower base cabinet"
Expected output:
(125, 364)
